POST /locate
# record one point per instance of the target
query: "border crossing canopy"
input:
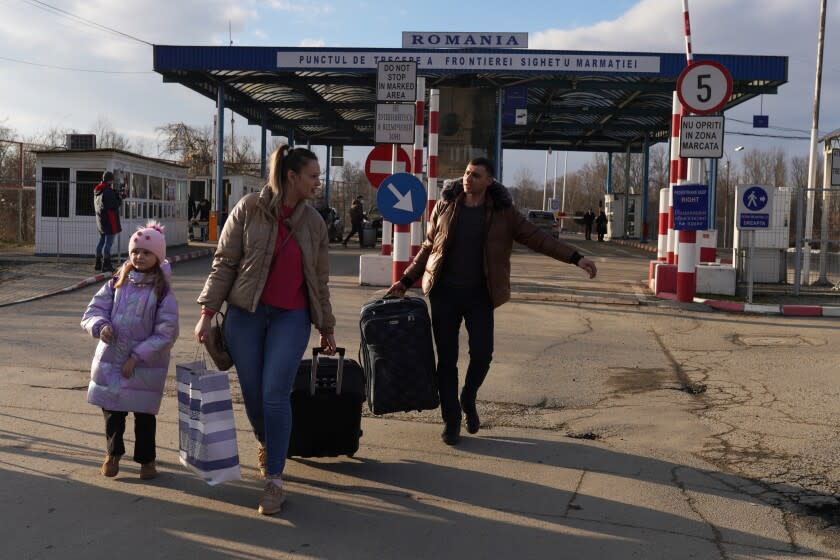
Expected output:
(588, 101)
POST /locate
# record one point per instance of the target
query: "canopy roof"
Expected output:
(576, 100)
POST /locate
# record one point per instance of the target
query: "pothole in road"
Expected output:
(638, 380)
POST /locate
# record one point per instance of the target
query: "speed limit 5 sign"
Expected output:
(704, 87)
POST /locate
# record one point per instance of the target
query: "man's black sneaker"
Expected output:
(473, 422)
(451, 434)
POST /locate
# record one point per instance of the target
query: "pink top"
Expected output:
(285, 287)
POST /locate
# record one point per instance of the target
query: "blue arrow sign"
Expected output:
(401, 198)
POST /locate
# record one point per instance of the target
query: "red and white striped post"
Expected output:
(673, 176)
(687, 246)
(434, 116)
(386, 225)
(417, 159)
(386, 238)
(662, 241)
(402, 250)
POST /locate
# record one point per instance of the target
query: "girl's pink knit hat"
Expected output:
(150, 238)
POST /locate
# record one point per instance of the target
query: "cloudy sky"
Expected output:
(70, 64)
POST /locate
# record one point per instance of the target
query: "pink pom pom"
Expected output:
(152, 224)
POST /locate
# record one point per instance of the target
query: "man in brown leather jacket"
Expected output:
(465, 265)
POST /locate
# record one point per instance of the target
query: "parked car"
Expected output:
(545, 220)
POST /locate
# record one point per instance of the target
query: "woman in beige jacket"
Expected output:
(271, 267)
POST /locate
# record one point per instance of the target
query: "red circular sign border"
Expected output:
(726, 97)
(406, 160)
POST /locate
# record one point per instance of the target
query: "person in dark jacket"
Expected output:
(106, 202)
(601, 225)
(588, 220)
(357, 216)
(465, 266)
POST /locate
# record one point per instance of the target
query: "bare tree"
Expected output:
(108, 137)
(524, 190)
(189, 145)
(799, 171)
(765, 167)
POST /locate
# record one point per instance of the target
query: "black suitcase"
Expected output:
(327, 407)
(398, 355)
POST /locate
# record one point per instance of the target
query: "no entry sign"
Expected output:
(378, 163)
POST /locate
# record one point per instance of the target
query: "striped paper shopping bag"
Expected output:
(206, 428)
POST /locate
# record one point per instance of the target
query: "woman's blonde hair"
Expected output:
(283, 160)
(159, 284)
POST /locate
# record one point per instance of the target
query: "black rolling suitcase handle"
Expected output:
(339, 374)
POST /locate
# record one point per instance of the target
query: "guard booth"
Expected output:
(770, 245)
(619, 225)
(65, 219)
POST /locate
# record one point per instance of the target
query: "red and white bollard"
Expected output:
(402, 250)
(687, 266)
(662, 239)
(386, 238)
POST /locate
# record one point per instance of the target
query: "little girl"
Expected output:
(135, 317)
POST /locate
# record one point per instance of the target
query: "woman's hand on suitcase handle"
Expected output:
(328, 344)
(397, 289)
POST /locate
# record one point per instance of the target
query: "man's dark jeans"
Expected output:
(450, 305)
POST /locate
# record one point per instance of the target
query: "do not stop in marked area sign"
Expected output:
(704, 87)
(701, 137)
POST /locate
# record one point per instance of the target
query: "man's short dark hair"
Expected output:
(485, 163)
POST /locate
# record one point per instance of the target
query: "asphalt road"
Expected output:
(751, 401)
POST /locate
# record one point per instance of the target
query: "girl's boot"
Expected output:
(107, 266)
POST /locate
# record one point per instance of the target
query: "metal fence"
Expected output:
(802, 256)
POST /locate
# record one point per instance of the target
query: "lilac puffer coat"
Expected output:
(143, 328)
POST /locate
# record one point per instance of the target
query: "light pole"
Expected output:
(728, 196)
(545, 176)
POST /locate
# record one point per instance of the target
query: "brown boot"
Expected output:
(261, 459)
(110, 466)
(272, 499)
(148, 471)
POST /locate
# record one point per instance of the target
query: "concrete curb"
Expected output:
(635, 244)
(788, 310)
(97, 278)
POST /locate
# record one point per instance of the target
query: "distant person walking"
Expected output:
(106, 203)
(588, 220)
(201, 217)
(465, 266)
(135, 317)
(357, 216)
(601, 225)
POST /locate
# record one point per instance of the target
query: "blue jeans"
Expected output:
(105, 241)
(266, 347)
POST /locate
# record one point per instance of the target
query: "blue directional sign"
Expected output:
(691, 207)
(401, 198)
(755, 205)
